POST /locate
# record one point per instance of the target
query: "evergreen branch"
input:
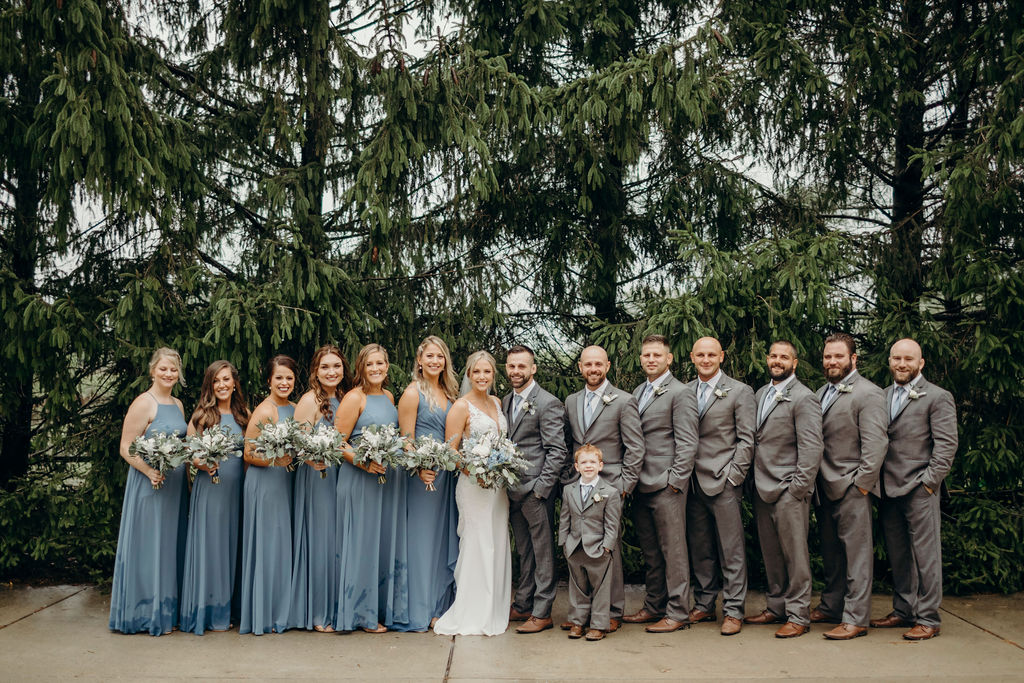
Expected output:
(209, 260)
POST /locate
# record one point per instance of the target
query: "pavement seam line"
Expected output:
(40, 609)
(448, 666)
(979, 626)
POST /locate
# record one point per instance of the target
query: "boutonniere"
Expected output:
(784, 396)
(527, 407)
(722, 392)
(914, 394)
(844, 388)
(597, 497)
(660, 389)
(608, 398)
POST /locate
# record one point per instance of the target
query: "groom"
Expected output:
(536, 423)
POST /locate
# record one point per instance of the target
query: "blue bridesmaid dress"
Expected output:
(372, 537)
(267, 546)
(210, 588)
(432, 519)
(314, 590)
(151, 543)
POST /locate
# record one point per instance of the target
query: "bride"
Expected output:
(483, 572)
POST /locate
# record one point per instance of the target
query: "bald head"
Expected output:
(594, 366)
(707, 356)
(905, 361)
(594, 352)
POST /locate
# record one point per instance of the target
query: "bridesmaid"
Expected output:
(267, 514)
(151, 539)
(315, 558)
(371, 516)
(432, 519)
(210, 588)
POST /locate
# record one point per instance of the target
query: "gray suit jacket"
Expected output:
(853, 429)
(787, 444)
(669, 422)
(594, 524)
(615, 430)
(539, 432)
(725, 446)
(922, 440)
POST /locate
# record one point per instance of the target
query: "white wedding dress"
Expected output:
(483, 572)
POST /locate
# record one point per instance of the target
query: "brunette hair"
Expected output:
(323, 401)
(656, 339)
(521, 348)
(447, 380)
(206, 414)
(364, 353)
(284, 361)
(842, 337)
(164, 352)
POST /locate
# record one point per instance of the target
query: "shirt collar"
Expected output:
(661, 379)
(845, 379)
(600, 390)
(525, 391)
(912, 384)
(781, 386)
(713, 382)
(592, 482)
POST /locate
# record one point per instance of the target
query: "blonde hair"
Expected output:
(447, 380)
(471, 362)
(165, 352)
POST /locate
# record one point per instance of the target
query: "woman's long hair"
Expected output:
(449, 383)
(323, 401)
(164, 352)
(364, 353)
(207, 414)
(471, 362)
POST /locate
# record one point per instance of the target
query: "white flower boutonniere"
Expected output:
(784, 396)
(844, 388)
(914, 394)
(527, 407)
(660, 389)
(722, 392)
(608, 398)
(597, 497)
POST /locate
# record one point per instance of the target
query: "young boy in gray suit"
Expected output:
(588, 530)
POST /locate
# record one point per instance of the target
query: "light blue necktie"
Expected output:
(517, 401)
(645, 398)
(588, 409)
(768, 396)
(702, 398)
(585, 490)
(830, 394)
(897, 402)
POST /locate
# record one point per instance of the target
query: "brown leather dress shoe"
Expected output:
(921, 632)
(513, 615)
(764, 617)
(613, 625)
(791, 630)
(595, 634)
(891, 620)
(667, 625)
(535, 625)
(731, 626)
(698, 615)
(641, 617)
(566, 625)
(817, 617)
(576, 631)
(845, 632)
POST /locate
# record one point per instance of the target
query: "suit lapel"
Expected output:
(770, 408)
(821, 397)
(598, 409)
(506, 406)
(712, 396)
(519, 418)
(590, 499)
(658, 391)
(919, 388)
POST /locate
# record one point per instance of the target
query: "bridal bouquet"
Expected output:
(494, 461)
(278, 440)
(323, 444)
(430, 454)
(211, 448)
(163, 452)
(381, 444)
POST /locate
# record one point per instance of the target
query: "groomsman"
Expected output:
(536, 422)
(668, 416)
(787, 454)
(922, 443)
(605, 416)
(714, 524)
(854, 433)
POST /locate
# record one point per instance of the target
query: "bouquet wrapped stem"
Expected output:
(213, 447)
(381, 444)
(163, 452)
(428, 453)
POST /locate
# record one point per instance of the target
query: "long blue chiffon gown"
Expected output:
(433, 545)
(314, 589)
(267, 546)
(151, 543)
(210, 587)
(372, 537)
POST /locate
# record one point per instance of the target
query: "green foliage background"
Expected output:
(239, 179)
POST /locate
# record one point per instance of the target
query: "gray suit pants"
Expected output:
(660, 518)
(714, 527)
(782, 530)
(911, 524)
(848, 555)
(590, 589)
(533, 523)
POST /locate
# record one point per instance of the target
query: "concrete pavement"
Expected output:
(61, 632)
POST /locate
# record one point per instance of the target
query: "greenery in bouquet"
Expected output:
(163, 452)
(212, 447)
(322, 444)
(278, 440)
(429, 453)
(381, 444)
(493, 460)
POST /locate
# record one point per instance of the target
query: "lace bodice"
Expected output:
(480, 423)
